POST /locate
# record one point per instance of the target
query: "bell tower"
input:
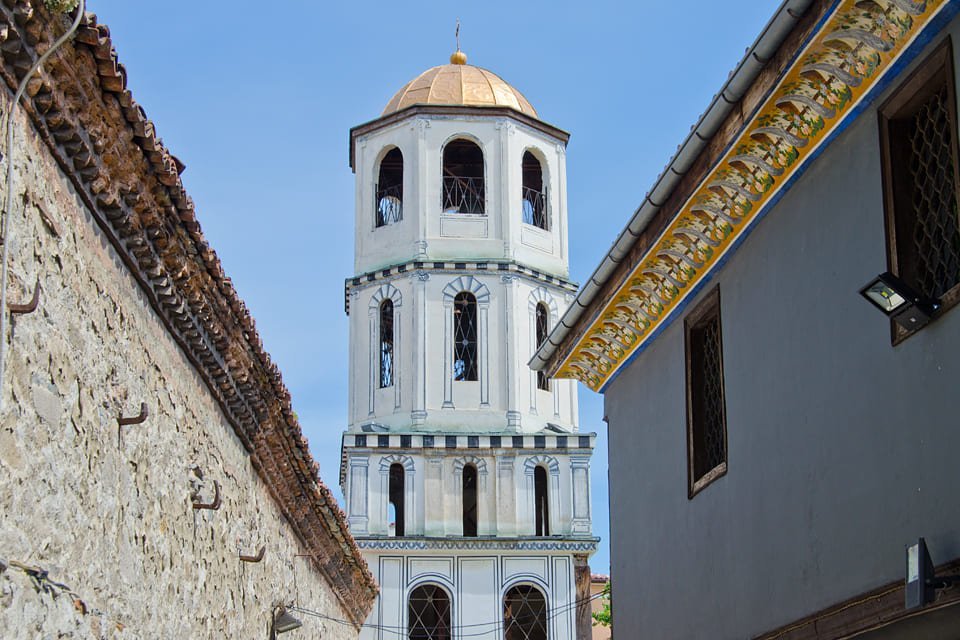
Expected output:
(465, 474)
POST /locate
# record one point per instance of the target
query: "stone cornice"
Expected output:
(418, 267)
(846, 56)
(562, 545)
(435, 111)
(107, 148)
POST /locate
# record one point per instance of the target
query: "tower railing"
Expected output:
(535, 207)
(388, 203)
(463, 195)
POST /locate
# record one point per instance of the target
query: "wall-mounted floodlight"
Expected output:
(283, 622)
(922, 585)
(897, 300)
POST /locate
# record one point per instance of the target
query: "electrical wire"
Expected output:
(495, 626)
(8, 201)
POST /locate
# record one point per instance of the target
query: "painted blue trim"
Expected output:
(924, 38)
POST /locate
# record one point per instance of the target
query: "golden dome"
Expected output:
(459, 84)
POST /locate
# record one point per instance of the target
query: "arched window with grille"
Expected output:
(543, 330)
(396, 498)
(470, 501)
(465, 364)
(386, 343)
(534, 194)
(388, 192)
(541, 503)
(463, 183)
(428, 613)
(524, 614)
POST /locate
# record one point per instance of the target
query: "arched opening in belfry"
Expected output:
(463, 182)
(470, 501)
(524, 614)
(543, 330)
(534, 195)
(541, 504)
(396, 496)
(428, 613)
(386, 344)
(389, 189)
(465, 337)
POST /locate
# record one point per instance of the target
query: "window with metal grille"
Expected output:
(396, 498)
(918, 133)
(463, 184)
(428, 613)
(470, 501)
(388, 192)
(386, 344)
(541, 504)
(465, 337)
(524, 614)
(534, 194)
(706, 406)
(543, 329)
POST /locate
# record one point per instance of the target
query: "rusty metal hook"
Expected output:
(213, 506)
(29, 307)
(256, 558)
(126, 422)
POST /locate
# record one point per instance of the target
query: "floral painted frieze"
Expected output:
(845, 59)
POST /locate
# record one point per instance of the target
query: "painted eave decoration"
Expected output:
(846, 57)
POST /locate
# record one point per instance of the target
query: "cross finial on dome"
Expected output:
(458, 57)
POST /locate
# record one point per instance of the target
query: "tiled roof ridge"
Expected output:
(130, 182)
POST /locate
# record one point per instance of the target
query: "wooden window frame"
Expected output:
(917, 87)
(709, 306)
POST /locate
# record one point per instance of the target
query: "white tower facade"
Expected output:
(466, 478)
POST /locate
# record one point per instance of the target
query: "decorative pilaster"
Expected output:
(484, 339)
(419, 413)
(372, 373)
(357, 506)
(513, 384)
(448, 353)
(506, 497)
(580, 470)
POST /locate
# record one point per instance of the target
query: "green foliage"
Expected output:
(61, 6)
(603, 616)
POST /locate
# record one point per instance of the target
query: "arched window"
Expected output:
(396, 497)
(470, 501)
(541, 504)
(465, 337)
(389, 189)
(428, 613)
(524, 614)
(463, 186)
(534, 198)
(543, 329)
(386, 343)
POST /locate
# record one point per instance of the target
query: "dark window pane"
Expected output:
(463, 184)
(388, 193)
(465, 337)
(540, 502)
(397, 496)
(428, 614)
(524, 614)
(470, 501)
(534, 194)
(706, 420)
(543, 329)
(386, 344)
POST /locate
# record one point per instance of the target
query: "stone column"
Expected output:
(433, 487)
(357, 495)
(419, 413)
(506, 497)
(580, 472)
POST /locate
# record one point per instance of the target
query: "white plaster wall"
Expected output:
(424, 395)
(476, 581)
(433, 491)
(426, 234)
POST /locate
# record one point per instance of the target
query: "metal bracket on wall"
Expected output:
(29, 307)
(256, 558)
(213, 506)
(127, 422)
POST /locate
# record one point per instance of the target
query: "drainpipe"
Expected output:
(5, 231)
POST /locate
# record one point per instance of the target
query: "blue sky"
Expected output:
(258, 98)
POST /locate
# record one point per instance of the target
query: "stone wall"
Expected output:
(111, 519)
